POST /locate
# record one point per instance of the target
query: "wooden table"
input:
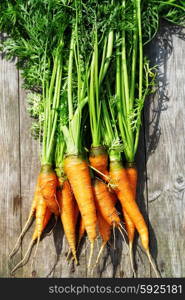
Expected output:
(161, 186)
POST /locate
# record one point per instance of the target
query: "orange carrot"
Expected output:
(68, 215)
(77, 172)
(46, 218)
(132, 177)
(48, 183)
(99, 161)
(126, 197)
(130, 227)
(76, 211)
(104, 228)
(42, 217)
(105, 202)
(125, 194)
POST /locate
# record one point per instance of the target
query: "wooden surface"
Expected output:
(161, 185)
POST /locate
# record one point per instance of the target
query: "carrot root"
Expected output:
(29, 220)
(69, 214)
(26, 256)
(154, 267)
(132, 258)
(99, 255)
(91, 255)
(17, 244)
(123, 237)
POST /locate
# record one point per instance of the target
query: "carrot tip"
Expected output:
(91, 255)
(98, 257)
(24, 258)
(131, 258)
(25, 228)
(68, 255)
(34, 256)
(76, 260)
(154, 267)
(74, 257)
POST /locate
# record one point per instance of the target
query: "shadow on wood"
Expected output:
(159, 52)
(58, 235)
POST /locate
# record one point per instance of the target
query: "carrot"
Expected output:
(126, 197)
(132, 175)
(46, 218)
(68, 215)
(130, 227)
(78, 174)
(105, 205)
(42, 215)
(76, 211)
(104, 228)
(99, 161)
(105, 201)
(48, 183)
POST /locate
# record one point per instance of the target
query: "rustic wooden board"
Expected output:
(165, 146)
(10, 194)
(161, 183)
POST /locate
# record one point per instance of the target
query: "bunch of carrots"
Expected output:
(84, 65)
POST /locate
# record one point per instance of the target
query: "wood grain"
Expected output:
(10, 193)
(166, 153)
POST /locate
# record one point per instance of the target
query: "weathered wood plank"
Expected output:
(166, 153)
(10, 197)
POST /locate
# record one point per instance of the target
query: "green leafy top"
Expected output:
(36, 33)
(34, 29)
